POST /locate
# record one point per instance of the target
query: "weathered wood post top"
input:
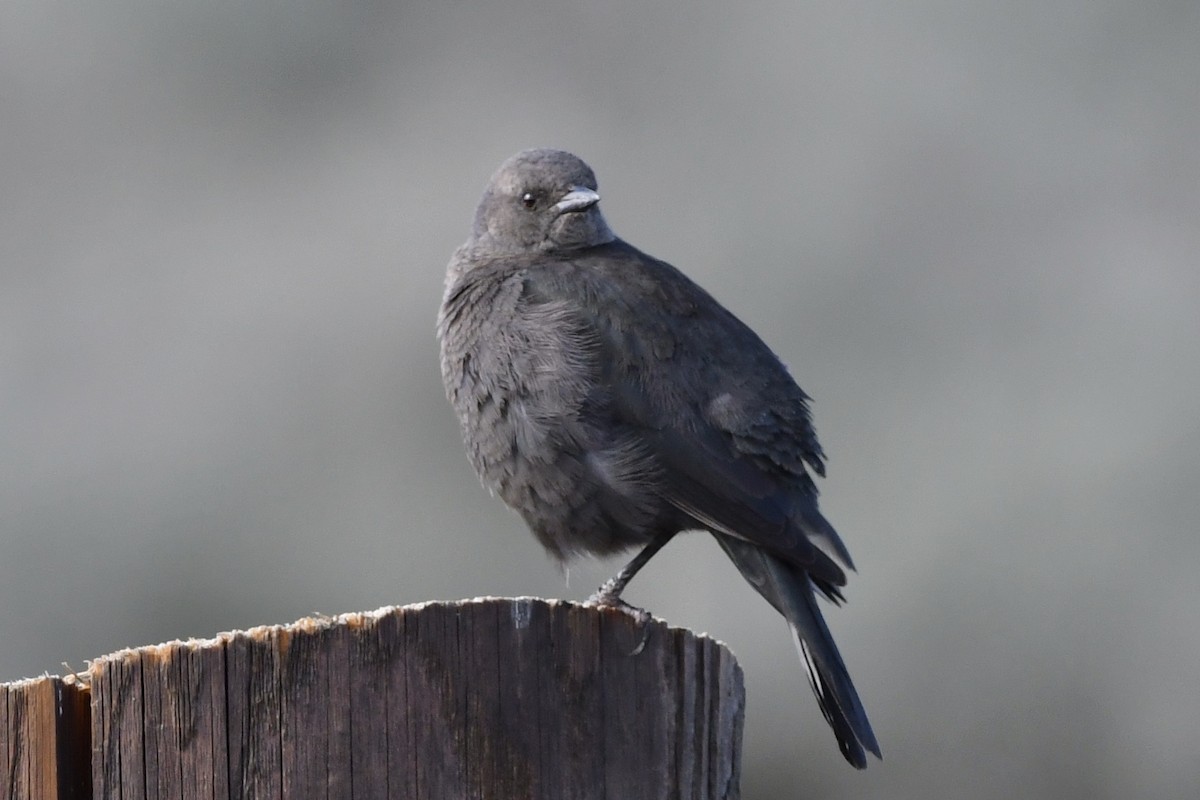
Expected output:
(489, 698)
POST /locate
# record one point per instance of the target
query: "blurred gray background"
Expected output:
(971, 229)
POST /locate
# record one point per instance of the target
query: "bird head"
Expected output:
(542, 200)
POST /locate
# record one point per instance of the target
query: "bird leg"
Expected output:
(609, 594)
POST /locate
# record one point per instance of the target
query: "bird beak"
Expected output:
(577, 199)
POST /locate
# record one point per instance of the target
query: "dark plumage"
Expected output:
(613, 403)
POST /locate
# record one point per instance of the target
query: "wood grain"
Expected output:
(45, 743)
(492, 698)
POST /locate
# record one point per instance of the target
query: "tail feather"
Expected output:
(790, 591)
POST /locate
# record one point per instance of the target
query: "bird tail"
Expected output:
(790, 590)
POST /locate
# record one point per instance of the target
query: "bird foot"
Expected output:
(608, 596)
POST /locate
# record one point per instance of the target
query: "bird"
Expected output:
(614, 403)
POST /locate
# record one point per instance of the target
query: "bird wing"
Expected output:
(727, 426)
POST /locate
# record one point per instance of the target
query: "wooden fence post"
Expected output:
(493, 698)
(45, 741)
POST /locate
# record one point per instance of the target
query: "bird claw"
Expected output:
(606, 597)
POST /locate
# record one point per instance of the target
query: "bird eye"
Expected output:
(528, 200)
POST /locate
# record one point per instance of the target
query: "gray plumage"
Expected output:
(613, 403)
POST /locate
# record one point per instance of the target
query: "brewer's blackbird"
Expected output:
(613, 403)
